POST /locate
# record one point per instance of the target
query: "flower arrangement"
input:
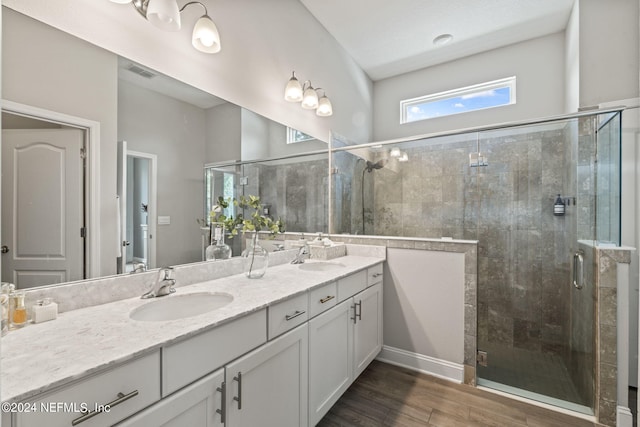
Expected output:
(256, 257)
(254, 222)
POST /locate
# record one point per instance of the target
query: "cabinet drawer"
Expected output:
(322, 298)
(127, 389)
(374, 274)
(193, 358)
(351, 285)
(288, 314)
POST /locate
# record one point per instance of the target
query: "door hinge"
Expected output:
(482, 358)
(83, 153)
(83, 232)
(334, 171)
(244, 180)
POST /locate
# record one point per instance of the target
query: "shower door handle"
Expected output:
(578, 269)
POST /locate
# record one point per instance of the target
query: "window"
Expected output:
(471, 98)
(294, 135)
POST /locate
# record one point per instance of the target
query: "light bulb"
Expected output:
(324, 107)
(293, 90)
(164, 14)
(205, 36)
(395, 152)
(310, 99)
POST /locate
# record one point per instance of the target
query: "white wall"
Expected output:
(175, 132)
(609, 53)
(262, 42)
(572, 61)
(49, 69)
(424, 303)
(539, 68)
(223, 133)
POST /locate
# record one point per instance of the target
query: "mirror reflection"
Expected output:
(166, 132)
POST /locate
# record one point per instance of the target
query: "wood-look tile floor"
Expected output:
(386, 395)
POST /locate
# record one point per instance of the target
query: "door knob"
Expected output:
(4, 249)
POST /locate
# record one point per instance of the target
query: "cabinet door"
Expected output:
(268, 387)
(198, 405)
(330, 358)
(368, 328)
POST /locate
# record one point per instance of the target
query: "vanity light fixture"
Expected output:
(404, 157)
(307, 95)
(165, 15)
(395, 152)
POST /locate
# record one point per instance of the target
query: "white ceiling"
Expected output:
(388, 38)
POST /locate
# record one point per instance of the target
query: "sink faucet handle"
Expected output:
(167, 272)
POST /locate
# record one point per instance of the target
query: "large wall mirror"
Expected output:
(156, 137)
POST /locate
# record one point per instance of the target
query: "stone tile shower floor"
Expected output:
(532, 373)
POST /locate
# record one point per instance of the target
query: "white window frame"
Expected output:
(507, 82)
(291, 132)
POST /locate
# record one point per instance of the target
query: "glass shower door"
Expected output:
(534, 325)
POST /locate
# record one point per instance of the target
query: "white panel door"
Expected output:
(330, 358)
(367, 336)
(268, 387)
(42, 208)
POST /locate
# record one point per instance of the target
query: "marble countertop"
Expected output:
(43, 356)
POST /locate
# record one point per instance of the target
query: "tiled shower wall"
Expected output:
(295, 191)
(524, 251)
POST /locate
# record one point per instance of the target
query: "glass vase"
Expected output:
(255, 258)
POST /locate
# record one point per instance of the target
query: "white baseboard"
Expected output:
(421, 363)
(624, 417)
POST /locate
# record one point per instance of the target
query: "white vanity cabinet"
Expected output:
(197, 405)
(268, 387)
(330, 358)
(108, 397)
(367, 335)
(343, 341)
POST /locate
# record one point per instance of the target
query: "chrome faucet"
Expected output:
(163, 286)
(139, 267)
(303, 253)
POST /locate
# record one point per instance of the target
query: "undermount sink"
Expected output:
(174, 307)
(321, 266)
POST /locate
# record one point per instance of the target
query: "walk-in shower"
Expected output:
(535, 331)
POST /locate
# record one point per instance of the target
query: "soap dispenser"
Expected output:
(559, 207)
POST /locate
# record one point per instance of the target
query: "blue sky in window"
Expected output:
(459, 104)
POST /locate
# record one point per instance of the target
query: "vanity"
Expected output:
(276, 351)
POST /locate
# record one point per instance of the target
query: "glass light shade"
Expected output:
(324, 107)
(310, 99)
(404, 157)
(205, 36)
(121, 1)
(395, 152)
(293, 90)
(164, 14)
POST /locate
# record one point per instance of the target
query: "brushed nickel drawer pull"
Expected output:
(121, 398)
(238, 398)
(377, 274)
(223, 390)
(327, 298)
(294, 315)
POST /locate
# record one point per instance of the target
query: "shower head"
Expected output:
(370, 166)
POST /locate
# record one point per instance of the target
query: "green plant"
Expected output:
(254, 221)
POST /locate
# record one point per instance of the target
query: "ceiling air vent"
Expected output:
(140, 71)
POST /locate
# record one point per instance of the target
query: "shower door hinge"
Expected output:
(482, 358)
(334, 171)
(244, 180)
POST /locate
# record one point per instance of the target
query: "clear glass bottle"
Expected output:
(218, 249)
(5, 292)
